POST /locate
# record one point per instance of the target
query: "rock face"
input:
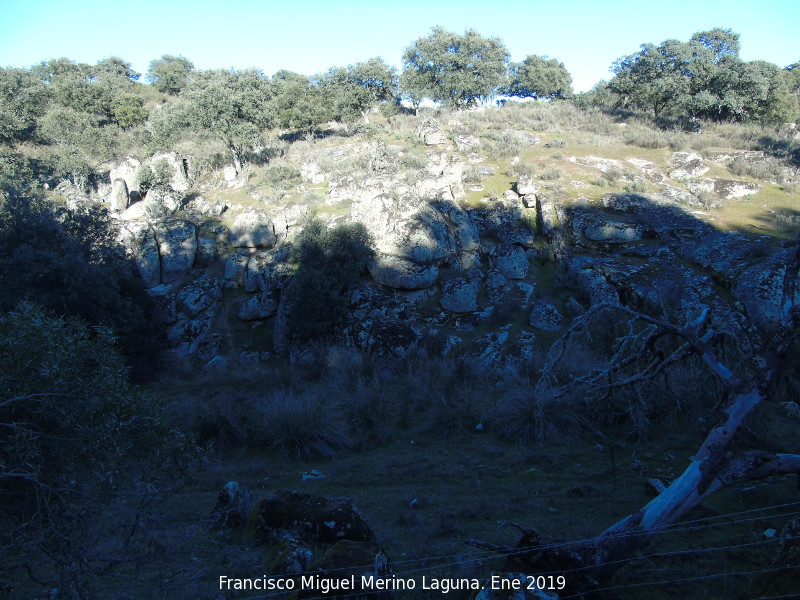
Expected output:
(128, 171)
(312, 518)
(252, 229)
(686, 165)
(260, 306)
(176, 167)
(140, 241)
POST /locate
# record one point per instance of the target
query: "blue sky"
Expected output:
(310, 36)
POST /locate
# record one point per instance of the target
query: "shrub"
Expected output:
(281, 175)
(303, 426)
(556, 143)
(330, 262)
(638, 186)
(551, 174)
(70, 263)
(78, 446)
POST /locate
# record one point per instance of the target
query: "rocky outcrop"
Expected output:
(687, 165)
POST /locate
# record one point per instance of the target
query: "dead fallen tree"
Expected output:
(592, 563)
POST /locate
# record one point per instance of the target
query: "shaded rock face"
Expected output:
(252, 229)
(401, 273)
(312, 518)
(177, 246)
(760, 289)
(140, 241)
(261, 306)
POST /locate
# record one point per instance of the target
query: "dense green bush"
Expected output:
(69, 262)
(77, 444)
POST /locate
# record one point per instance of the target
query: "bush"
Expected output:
(70, 263)
(636, 187)
(556, 143)
(551, 174)
(76, 445)
(330, 262)
(303, 426)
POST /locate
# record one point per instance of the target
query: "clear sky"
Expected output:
(309, 36)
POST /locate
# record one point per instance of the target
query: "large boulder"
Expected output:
(128, 171)
(252, 229)
(312, 518)
(401, 273)
(198, 296)
(511, 261)
(546, 317)
(261, 306)
(460, 295)
(119, 195)
(177, 246)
